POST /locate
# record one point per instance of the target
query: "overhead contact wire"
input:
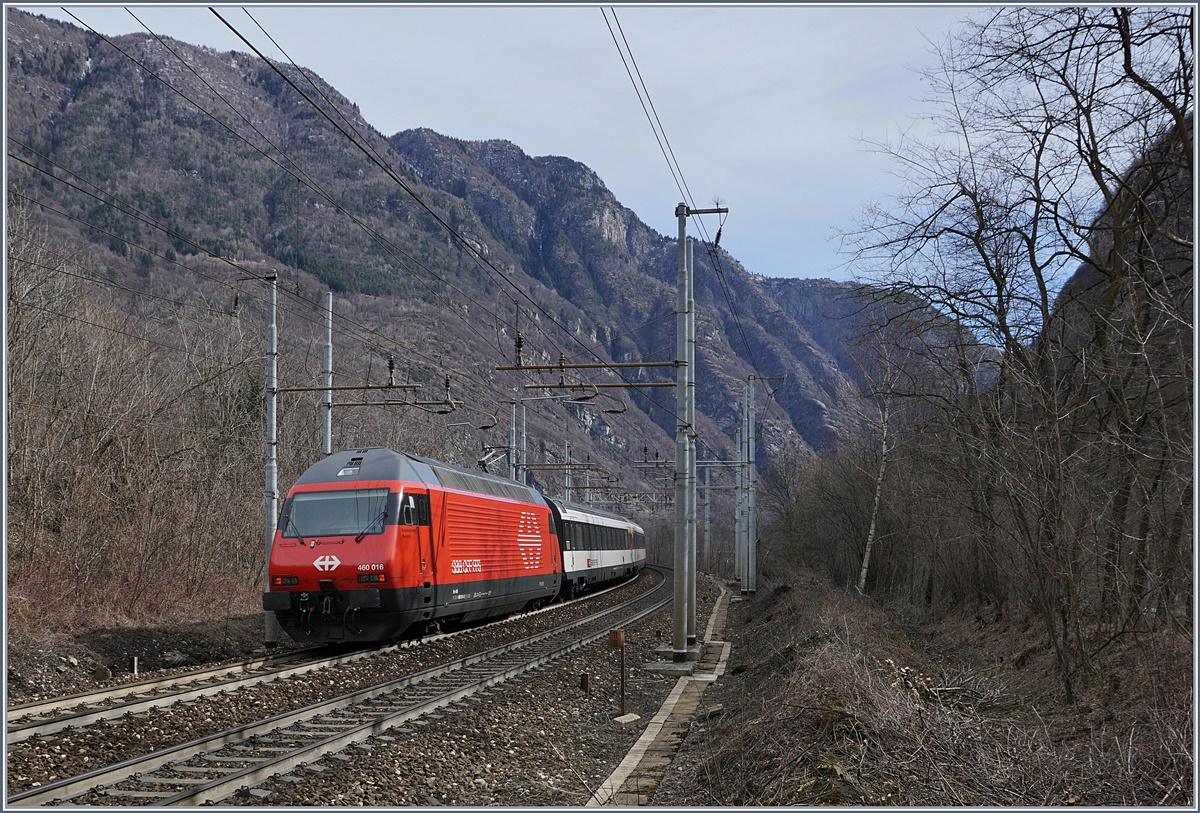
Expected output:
(400, 182)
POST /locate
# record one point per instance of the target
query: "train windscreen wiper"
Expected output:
(379, 519)
(292, 525)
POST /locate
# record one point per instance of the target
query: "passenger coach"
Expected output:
(597, 546)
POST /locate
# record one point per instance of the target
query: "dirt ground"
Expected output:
(57, 663)
(832, 699)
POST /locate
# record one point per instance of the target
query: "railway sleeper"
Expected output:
(256, 749)
(137, 794)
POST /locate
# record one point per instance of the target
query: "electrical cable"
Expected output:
(673, 165)
(381, 240)
(141, 217)
(399, 181)
(377, 157)
(374, 333)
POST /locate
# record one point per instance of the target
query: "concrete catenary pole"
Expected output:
(524, 450)
(567, 473)
(708, 521)
(691, 422)
(271, 492)
(739, 522)
(679, 648)
(752, 518)
(512, 442)
(737, 506)
(327, 405)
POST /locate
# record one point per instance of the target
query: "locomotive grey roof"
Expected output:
(367, 464)
(385, 464)
(464, 479)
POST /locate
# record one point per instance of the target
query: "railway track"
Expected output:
(51, 716)
(214, 767)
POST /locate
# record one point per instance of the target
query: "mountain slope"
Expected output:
(223, 158)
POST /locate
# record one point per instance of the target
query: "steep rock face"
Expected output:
(553, 214)
(235, 161)
(602, 258)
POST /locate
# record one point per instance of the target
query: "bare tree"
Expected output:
(1065, 141)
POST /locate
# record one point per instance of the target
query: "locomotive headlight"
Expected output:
(282, 581)
(370, 578)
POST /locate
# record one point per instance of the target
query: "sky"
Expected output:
(768, 109)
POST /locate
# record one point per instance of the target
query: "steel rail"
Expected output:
(41, 708)
(219, 789)
(82, 709)
(170, 759)
(22, 731)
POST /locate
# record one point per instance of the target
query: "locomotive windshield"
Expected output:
(334, 513)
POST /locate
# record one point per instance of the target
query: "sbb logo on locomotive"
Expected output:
(326, 562)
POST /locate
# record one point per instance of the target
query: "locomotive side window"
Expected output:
(415, 510)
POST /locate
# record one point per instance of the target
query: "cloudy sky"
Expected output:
(766, 107)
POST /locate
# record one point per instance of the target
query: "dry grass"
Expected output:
(79, 611)
(832, 701)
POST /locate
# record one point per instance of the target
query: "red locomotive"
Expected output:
(371, 542)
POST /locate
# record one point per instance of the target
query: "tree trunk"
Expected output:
(883, 452)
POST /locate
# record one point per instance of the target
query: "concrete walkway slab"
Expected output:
(634, 781)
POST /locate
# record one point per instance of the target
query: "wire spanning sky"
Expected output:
(766, 107)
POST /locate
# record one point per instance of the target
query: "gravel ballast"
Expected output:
(538, 740)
